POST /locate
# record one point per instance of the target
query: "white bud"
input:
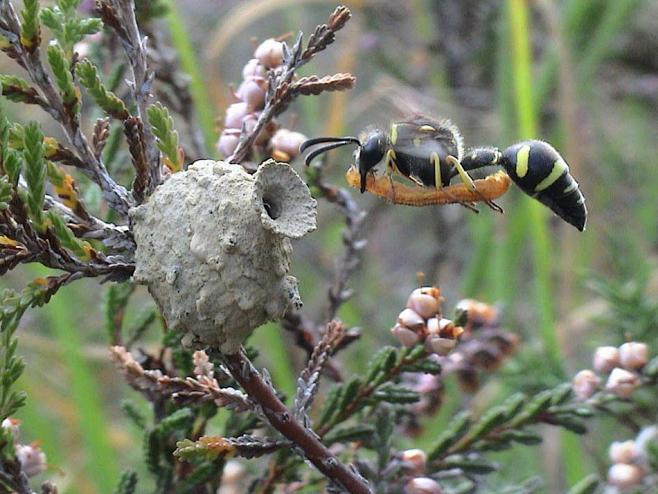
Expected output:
(585, 383)
(624, 475)
(405, 336)
(235, 113)
(288, 142)
(605, 359)
(233, 472)
(633, 355)
(415, 459)
(270, 53)
(425, 301)
(433, 326)
(623, 452)
(12, 425)
(253, 68)
(411, 319)
(440, 346)
(622, 382)
(422, 485)
(31, 458)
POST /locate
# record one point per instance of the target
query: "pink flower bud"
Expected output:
(411, 320)
(235, 113)
(422, 485)
(425, 301)
(622, 382)
(585, 384)
(227, 143)
(415, 460)
(252, 92)
(253, 68)
(405, 336)
(288, 142)
(605, 359)
(440, 346)
(633, 355)
(624, 475)
(270, 53)
(623, 452)
(31, 458)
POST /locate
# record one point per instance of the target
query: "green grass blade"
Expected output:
(192, 66)
(518, 18)
(86, 391)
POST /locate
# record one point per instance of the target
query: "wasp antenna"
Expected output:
(321, 140)
(324, 149)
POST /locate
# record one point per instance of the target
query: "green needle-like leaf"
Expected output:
(35, 171)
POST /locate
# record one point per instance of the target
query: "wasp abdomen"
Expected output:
(539, 170)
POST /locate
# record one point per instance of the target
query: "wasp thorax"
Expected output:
(213, 246)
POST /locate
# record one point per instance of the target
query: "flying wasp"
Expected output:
(430, 153)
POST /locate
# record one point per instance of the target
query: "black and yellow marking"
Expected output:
(430, 154)
(539, 171)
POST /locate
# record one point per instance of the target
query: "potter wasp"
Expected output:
(430, 153)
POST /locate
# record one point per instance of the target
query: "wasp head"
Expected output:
(370, 153)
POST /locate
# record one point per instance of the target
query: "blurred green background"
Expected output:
(581, 74)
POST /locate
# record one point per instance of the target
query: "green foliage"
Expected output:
(116, 300)
(350, 433)
(30, 31)
(588, 485)
(134, 414)
(167, 137)
(503, 425)
(453, 432)
(10, 161)
(12, 307)
(67, 28)
(6, 192)
(69, 241)
(61, 68)
(127, 483)
(35, 172)
(17, 89)
(88, 76)
(632, 309)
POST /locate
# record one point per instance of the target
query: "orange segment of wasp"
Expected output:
(486, 189)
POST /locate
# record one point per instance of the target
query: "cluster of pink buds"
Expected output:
(622, 366)
(630, 462)
(281, 144)
(483, 347)
(421, 322)
(30, 456)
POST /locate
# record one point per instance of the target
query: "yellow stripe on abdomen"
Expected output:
(522, 157)
(559, 169)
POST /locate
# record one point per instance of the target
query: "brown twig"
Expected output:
(280, 80)
(199, 389)
(307, 384)
(142, 81)
(281, 419)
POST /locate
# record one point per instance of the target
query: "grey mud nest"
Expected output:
(213, 247)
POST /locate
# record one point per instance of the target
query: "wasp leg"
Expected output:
(468, 181)
(390, 168)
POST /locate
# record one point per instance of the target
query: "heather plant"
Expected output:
(127, 191)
